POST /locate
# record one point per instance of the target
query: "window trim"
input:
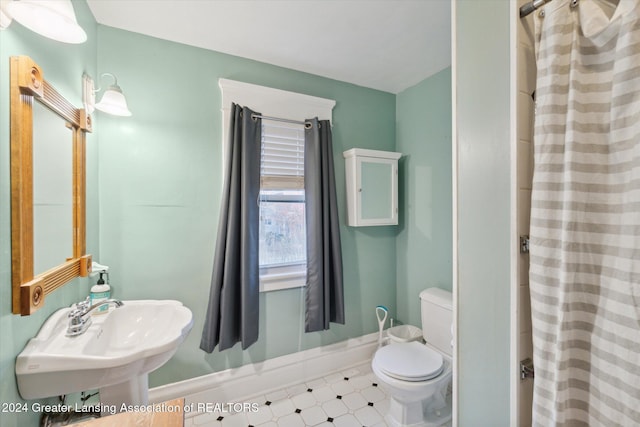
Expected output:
(275, 103)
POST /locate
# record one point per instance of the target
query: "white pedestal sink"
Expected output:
(114, 355)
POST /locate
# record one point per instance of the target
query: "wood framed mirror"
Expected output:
(35, 105)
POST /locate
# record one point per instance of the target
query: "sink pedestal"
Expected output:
(132, 392)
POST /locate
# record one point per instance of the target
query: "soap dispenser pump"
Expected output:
(101, 291)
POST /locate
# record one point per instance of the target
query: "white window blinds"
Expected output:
(282, 156)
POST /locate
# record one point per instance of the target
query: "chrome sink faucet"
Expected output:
(79, 319)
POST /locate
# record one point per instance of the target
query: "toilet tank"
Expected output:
(436, 306)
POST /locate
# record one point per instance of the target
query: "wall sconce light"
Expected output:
(54, 19)
(5, 20)
(113, 101)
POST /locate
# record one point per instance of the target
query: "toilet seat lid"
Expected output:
(410, 361)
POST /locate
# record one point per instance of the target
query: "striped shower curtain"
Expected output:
(585, 215)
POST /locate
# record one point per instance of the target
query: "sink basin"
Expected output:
(115, 354)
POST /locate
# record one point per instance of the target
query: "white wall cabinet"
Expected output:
(372, 187)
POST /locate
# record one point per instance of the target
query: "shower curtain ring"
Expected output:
(574, 3)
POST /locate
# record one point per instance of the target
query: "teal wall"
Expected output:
(63, 66)
(160, 184)
(423, 135)
(483, 195)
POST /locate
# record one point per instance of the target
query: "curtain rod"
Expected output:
(278, 119)
(531, 6)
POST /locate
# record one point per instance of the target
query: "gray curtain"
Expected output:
(324, 292)
(232, 313)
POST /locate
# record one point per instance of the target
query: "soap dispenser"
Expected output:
(101, 291)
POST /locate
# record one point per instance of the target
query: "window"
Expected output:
(282, 233)
(282, 221)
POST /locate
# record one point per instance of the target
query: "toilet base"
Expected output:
(430, 413)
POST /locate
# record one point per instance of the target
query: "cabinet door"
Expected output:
(377, 191)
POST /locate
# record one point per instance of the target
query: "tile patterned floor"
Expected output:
(350, 398)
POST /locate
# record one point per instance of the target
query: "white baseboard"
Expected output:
(231, 385)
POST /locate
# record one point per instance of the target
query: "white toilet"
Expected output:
(417, 376)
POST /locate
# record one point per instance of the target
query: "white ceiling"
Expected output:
(388, 45)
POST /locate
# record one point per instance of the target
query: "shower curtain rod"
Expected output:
(531, 6)
(279, 119)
